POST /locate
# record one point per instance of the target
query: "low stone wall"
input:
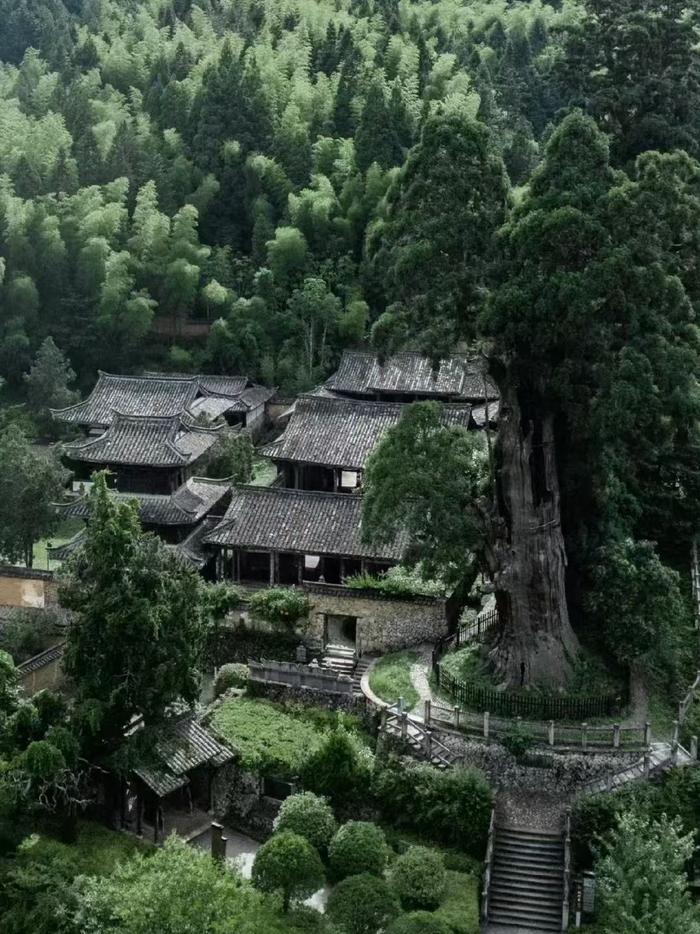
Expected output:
(238, 800)
(384, 623)
(286, 693)
(563, 773)
(310, 677)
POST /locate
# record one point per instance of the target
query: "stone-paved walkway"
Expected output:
(420, 672)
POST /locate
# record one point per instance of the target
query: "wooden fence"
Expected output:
(582, 736)
(512, 704)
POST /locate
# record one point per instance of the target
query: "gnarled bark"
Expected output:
(528, 557)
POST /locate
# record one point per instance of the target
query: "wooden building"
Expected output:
(409, 377)
(328, 440)
(146, 453)
(274, 536)
(172, 781)
(235, 399)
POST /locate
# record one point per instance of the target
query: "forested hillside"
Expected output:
(225, 159)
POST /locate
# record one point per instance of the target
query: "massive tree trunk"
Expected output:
(536, 642)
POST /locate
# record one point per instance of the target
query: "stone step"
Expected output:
(524, 924)
(523, 896)
(531, 913)
(527, 875)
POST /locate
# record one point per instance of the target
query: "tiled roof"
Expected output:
(337, 432)
(275, 519)
(182, 746)
(163, 394)
(479, 414)
(139, 440)
(186, 506)
(193, 549)
(131, 395)
(458, 377)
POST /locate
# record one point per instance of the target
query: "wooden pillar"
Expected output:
(647, 734)
(295, 481)
(272, 566)
(237, 565)
(300, 568)
(616, 736)
(336, 480)
(426, 712)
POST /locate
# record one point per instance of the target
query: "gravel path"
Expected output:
(420, 672)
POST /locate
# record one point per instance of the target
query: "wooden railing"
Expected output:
(685, 705)
(421, 739)
(488, 868)
(567, 872)
(549, 733)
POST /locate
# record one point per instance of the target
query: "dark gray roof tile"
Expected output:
(275, 519)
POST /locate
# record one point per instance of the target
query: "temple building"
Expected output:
(274, 536)
(235, 399)
(328, 440)
(409, 377)
(145, 453)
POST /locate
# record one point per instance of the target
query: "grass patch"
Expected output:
(96, 851)
(264, 471)
(64, 532)
(390, 678)
(276, 740)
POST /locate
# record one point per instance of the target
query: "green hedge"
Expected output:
(451, 807)
(241, 644)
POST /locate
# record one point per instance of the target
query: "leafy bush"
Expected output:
(309, 816)
(27, 632)
(287, 863)
(281, 606)
(419, 922)
(518, 741)
(361, 904)
(232, 456)
(398, 581)
(419, 878)
(358, 847)
(233, 675)
(642, 881)
(451, 807)
(339, 769)
(460, 908)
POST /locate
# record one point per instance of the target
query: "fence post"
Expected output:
(584, 736)
(647, 764)
(428, 744)
(487, 718)
(426, 712)
(647, 734)
(456, 716)
(404, 724)
(616, 736)
(674, 742)
(693, 747)
(550, 733)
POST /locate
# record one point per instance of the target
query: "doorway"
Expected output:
(340, 631)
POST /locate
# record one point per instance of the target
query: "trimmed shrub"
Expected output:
(518, 741)
(309, 816)
(418, 922)
(358, 847)
(451, 807)
(233, 675)
(419, 878)
(361, 905)
(339, 769)
(287, 863)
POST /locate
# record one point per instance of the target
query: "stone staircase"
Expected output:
(361, 667)
(660, 758)
(527, 880)
(339, 658)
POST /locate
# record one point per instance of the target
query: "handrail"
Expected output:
(488, 867)
(567, 872)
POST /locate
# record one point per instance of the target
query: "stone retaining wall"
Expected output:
(384, 623)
